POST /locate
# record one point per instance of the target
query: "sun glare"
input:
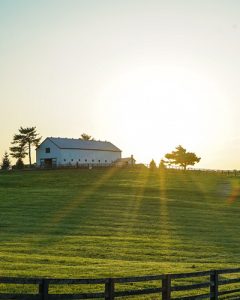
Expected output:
(171, 104)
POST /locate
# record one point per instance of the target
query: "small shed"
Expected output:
(125, 162)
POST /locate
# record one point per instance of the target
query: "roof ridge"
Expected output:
(73, 143)
(78, 139)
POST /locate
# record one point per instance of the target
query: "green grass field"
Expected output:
(111, 222)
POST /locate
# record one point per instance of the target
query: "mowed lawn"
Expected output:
(113, 222)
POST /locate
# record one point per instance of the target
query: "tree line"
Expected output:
(21, 147)
(28, 137)
(179, 157)
(22, 144)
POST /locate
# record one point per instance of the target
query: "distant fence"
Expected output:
(234, 172)
(217, 171)
(226, 172)
(210, 285)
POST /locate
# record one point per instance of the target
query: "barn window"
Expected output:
(79, 159)
(72, 159)
(105, 160)
(92, 160)
(86, 160)
(99, 160)
(64, 159)
(47, 150)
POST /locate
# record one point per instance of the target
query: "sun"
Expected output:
(164, 107)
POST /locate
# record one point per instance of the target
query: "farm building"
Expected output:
(125, 162)
(75, 152)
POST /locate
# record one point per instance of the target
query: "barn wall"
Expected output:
(77, 156)
(54, 152)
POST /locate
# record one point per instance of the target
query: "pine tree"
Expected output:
(152, 165)
(26, 138)
(5, 162)
(162, 165)
(18, 152)
(19, 164)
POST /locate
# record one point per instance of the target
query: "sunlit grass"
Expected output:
(102, 223)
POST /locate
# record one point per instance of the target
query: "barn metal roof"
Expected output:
(66, 143)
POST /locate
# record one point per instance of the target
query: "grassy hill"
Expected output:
(111, 222)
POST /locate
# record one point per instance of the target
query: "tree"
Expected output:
(18, 152)
(182, 158)
(152, 165)
(5, 162)
(26, 138)
(162, 165)
(19, 164)
(86, 137)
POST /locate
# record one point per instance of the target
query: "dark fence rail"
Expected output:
(214, 284)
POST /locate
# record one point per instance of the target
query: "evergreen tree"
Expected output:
(162, 165)
(18, 152)
(5, 162)
(26, 138)
(152, 165)
(19, 164)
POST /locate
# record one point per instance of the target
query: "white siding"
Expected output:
(54, 152)
(74, 156)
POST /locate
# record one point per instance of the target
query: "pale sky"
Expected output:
(146, 75)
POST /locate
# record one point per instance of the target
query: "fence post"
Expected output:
(214, 285)
(43, 289)
(166, 287)
(109, 289)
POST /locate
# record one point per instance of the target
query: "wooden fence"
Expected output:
(210, 285)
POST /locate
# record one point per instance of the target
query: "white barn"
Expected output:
(75, 152)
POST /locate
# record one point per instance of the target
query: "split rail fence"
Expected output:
(217, 284)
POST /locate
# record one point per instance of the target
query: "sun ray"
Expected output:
(78, 199)
(163, 210)
(235, 192)
(134, 204)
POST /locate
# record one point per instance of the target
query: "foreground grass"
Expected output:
(103, 223)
